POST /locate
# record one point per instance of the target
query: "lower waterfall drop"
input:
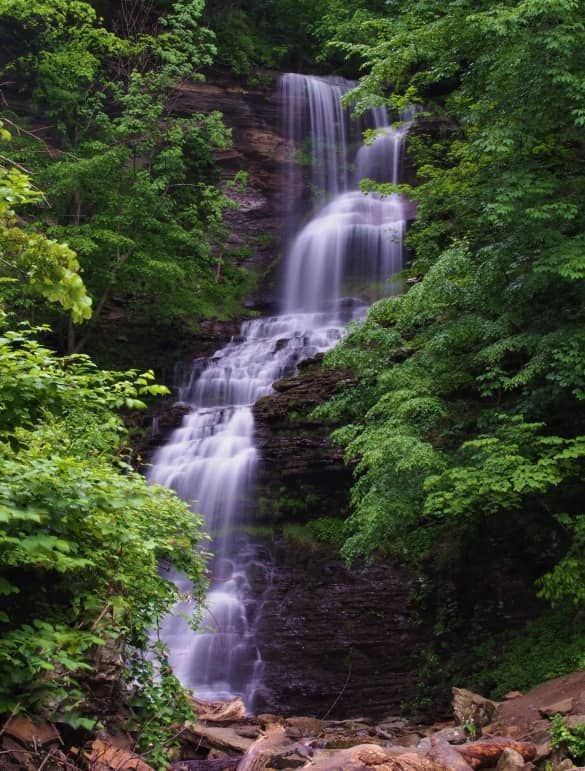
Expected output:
(352, 240)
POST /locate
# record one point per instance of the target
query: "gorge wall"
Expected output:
(334, 640)
(260, 150)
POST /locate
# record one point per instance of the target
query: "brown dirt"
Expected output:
(524, 712)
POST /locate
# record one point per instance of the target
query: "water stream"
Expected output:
(352, 242)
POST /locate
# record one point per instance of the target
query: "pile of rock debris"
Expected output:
(512, 735)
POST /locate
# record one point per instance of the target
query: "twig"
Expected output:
(33, 134)
(14, 163)
(22, 273)
(46, 759)
(99, 618)
(341, 692)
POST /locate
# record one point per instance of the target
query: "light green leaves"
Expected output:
(80, 532)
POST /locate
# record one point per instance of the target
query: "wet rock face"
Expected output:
(336, 642)
(302, 474)
(325, 631)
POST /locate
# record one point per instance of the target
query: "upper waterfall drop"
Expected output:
(211, 460)
(354, 239)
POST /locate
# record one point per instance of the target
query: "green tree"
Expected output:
(133, 187)
(469, 412)
(30, 262)
(82, 535)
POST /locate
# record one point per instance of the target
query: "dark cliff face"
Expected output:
(302, 473)
(336, 642)
(259, 150)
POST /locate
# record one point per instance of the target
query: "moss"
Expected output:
(325, 530)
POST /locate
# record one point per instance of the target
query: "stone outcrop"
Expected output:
(301, 468)
(259, 150)
(472, 709)
(336, 642)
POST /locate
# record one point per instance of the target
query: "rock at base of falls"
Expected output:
(335, 642)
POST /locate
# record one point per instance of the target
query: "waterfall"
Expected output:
(352, 240)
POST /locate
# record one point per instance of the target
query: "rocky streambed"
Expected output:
(512, 735)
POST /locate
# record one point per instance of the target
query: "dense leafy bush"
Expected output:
(570, 740)
(545, 648)
(81, 533)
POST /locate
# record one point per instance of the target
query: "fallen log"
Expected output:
(486, 752)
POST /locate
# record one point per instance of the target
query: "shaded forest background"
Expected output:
(466, 425)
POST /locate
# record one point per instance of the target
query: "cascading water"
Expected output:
(353, 239)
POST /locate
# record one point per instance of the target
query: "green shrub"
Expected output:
(569, 740)
(327, 530)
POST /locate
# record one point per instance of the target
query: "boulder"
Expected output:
(224, 738)
(444, 755)
(510, 760)
(260, 753)
(562, 707)
(454, 735)
(220, 711)
(341, 740)
(543, 750)
(306, 726)
(472, 709)
(295, 756)
(486, 753)
(248, 731)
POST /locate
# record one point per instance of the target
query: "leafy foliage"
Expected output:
(159, 704)
(468, 412)
(545, 648)
(81, 533)
(37, 264)
(132, 186)
(571, 740)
